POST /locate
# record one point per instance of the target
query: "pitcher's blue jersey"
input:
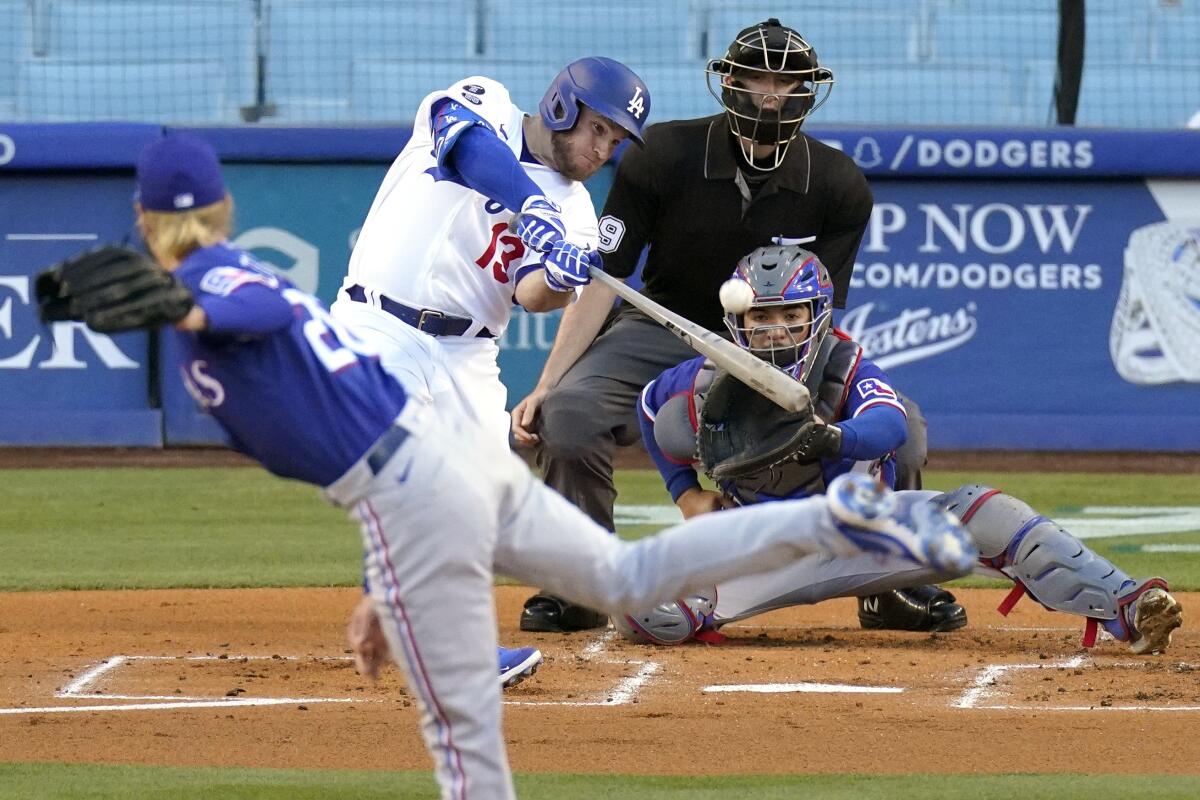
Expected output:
(292, 387)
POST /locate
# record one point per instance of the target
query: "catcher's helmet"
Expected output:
(785, 276)
(768, 49)
(606, 86)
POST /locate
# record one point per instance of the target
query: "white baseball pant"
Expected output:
(459, 375)
(452, 507)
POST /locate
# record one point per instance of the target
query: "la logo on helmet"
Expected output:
(636, 105)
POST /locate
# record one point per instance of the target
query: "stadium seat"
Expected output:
(877, 93)
(1117, 29)
(174, 91)
(994, 6)
(1036, 93)
(133, 33)
(1176, 34)
(1016, 37)
(391, 90)
(638, 33)
(838, 32)
(1140, 95)
(16, 33)
(679, 91)
(311, 45)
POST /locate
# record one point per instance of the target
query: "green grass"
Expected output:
(1058, 492)
(92, 782)
(144, 528)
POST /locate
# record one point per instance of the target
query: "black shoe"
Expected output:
(921, 608)
(550, 614)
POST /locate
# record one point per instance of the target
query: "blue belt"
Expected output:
(385, 447)
(427, 320)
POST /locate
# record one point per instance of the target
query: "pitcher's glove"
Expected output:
(742, 433)
(112, 289)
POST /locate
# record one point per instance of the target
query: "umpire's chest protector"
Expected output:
(829, 381)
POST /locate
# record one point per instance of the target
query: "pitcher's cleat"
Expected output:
(517, 664)
(868, 515)
(1155, 615)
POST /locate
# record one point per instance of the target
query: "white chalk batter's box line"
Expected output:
(988, 677)
(625, 691)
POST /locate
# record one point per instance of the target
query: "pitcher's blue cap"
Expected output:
(178, 173)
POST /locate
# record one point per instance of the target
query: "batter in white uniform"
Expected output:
(440, 263)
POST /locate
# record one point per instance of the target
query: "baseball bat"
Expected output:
(774, 384)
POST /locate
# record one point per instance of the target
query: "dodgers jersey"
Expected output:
(871, 419)
(292, 387)
(432, 242)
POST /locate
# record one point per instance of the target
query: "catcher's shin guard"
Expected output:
(1054, 567)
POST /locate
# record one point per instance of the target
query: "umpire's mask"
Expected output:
(765, 51)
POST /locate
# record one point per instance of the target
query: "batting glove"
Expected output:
(540, 224)
(566, 266)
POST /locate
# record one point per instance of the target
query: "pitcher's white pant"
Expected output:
(460, 376)
(452, 505)
(823, 576)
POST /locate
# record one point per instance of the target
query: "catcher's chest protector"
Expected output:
(828, 382)
(831, 375)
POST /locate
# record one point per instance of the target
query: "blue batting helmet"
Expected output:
(784, 275)
(606, 86)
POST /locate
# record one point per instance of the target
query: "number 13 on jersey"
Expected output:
(502, 250)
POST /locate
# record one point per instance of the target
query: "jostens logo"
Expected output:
(916, 334)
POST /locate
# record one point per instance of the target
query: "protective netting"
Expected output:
(928, 62)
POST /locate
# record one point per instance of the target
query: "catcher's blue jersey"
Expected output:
(292, 387)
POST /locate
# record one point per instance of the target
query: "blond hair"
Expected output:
(175, 234)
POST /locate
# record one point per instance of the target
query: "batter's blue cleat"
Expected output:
(518, 664)
(868, 515)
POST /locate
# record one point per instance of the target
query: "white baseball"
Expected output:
(736, 296)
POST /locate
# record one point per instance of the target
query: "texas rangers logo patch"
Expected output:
(222, 281)
(873, 387)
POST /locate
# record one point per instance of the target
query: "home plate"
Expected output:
(782, 688)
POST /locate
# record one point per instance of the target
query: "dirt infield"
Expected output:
(260, 678)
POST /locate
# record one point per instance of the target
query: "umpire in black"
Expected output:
(701, 194)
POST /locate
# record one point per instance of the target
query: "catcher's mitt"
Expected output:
(112, 289)
(742, 433)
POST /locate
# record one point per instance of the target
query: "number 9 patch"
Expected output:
(611, 232)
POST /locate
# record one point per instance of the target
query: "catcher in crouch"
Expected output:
(694, 414)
